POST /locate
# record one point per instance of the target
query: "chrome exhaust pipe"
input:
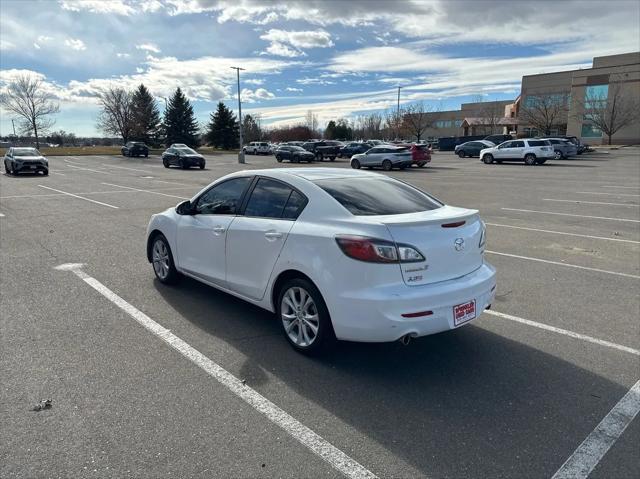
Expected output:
(406, 339)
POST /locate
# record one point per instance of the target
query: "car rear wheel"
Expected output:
(530, 159)
(487, 159)
(461, 154)
(355, 164)
(557, 155)
(304, 317)
(386, 165)
(278, 158)
(162, 260)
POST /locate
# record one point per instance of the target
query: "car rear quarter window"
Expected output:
(268, 199)
(377, 196)
(295, 205)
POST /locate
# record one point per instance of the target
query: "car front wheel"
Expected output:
(557, 155)
(162, 260)
(386, 165)
(278, 158)
(487, 159)
(165, 162)
(461, 154)
(304, 317)
(355, 164)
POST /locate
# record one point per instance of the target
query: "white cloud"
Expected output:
(280, 50)
(118, 7)
(300, 39)
(254, 81)
(149, 47)
(123, 55)
(6, 45)
(297, 90)
(249, 96)
(75, 44)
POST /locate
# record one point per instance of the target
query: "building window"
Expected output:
(531, 101)
(590, 131)
(530, 132)
(595, 97)
(458, 123)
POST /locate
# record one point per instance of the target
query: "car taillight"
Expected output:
(375, 250)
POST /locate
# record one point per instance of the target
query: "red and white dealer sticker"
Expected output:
(464, 312)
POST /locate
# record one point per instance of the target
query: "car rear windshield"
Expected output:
(538, 143)
(377, 196)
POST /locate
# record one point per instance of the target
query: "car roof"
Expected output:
(312, 173)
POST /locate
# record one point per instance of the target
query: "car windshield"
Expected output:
(185, 151)
(377, 196)
(296, 148)
(26, 152)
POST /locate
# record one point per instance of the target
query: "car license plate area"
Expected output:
(464, 312)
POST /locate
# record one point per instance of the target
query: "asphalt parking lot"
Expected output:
(514, 394)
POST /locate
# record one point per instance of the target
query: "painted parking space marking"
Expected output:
(622, 187)
(565, 332)
(590, 202)
(605, 193)
(563, 233)
(125, 168)
(568, 265)
(79, 197)
(588, 454)
(314, 442)
(628, 220)
(1, 215)
(146, 191)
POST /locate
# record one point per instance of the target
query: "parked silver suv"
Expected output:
(530, 151)
(562, 148)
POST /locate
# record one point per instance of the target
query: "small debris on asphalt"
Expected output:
(43, 404)
(616, 233)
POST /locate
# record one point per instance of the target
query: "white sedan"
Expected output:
(335, 253)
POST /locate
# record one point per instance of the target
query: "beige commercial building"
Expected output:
(615, 77)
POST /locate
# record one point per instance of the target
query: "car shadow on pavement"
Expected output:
(464, 403)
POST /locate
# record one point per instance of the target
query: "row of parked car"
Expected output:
(497, 148)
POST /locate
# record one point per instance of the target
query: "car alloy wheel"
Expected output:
(557, 155)
(530, 159)
(386, 165)
(162, 260)
(299, 316)
(355, 164)
(487, 159)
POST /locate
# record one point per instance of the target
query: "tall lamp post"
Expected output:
(241, 152)
(398, 116)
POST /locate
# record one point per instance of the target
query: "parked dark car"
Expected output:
(294, 154)
(323, 149)
(19, 160)
(497, 139)
(135, 148)
(350, 149)
(182, 157)
(473, 148)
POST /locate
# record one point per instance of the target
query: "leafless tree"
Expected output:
(418, 117)
(491, 114)
(311, 121)
(116, 115)
(545, 112)
(393, 122)
(609, 112)
(27, 98)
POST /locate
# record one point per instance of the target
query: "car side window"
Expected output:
(295, 205)
(517, 144)
(268, 199)
(224, 198)
(508, 144)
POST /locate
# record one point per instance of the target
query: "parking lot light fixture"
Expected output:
(241, 152)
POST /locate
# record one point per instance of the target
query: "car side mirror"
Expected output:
(185, 208)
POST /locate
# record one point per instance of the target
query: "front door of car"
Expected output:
(504, 150)
(373, 157)
(202, 236)
(256, 238)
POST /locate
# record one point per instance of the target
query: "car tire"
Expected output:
(162, 260)
(422, 164)
(278, 158)
(461, 154)
(557, 155)
(529, 159)
(165, 163)
(387, 165)
(355, 164)
(146, 155)
(183, 165)
(487, 159)
(332, 158)
(45, 172)
(291, 316)
(319, 157)
(202, 165)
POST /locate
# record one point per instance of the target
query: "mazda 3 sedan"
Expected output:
(334, 253)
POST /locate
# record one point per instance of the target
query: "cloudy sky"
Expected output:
(337, 58)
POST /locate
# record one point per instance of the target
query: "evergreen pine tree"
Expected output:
(146, 117)
(180, 125)
(222, 130)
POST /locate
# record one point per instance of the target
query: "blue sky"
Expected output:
(337, 59)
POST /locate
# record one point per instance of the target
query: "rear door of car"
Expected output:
(256, 238)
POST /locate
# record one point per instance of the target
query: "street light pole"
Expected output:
(398, 115)
(241, 152)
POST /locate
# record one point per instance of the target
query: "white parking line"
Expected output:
(320, 446)
(1, 215)
(590, 202)
(603, 193)
(568, 214)
(563, 233)
(89, 169)
(565, 332)
(624, 187)
(147, 191)
(80, 197)
(126, 168)
(568, 265)
(607, 432)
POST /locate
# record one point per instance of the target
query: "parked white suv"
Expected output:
(258, 148)
(532, 152)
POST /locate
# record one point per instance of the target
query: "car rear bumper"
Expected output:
(375, 314)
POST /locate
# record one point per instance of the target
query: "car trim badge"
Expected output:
(459, 244)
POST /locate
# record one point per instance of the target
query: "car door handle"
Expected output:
(218, 230)
(272, 235)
